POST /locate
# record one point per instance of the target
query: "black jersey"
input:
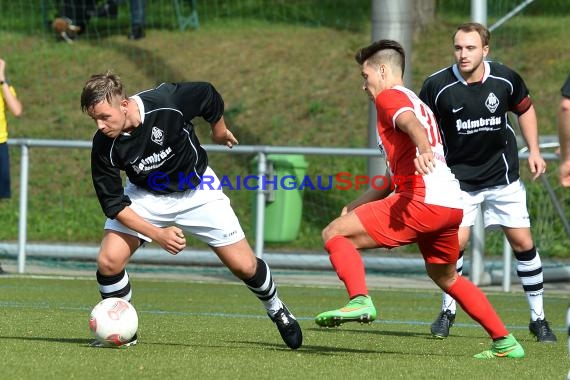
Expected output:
(164, 147)
(565, 90)
(480, 145)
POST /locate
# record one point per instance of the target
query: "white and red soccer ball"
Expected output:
(113, 322)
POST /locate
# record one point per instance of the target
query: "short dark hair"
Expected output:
(370, 52)
(101, 87)
(475, 27)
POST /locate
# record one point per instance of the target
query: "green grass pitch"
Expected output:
(198, 330)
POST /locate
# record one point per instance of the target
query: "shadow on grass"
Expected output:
(410, 334)
(46, 339)
(335, 350)
(371, 331)
(306, 348)
(85, 342)
(311, 348)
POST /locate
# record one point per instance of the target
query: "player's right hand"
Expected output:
(171, 239)
(424, 163)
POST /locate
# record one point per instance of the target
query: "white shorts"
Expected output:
(204, 213)
(501, 206)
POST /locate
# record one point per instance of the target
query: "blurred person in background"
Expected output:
(564, 134)
(8, 101)
(79, 12)
(137, 19)
(564, 168)
(110, 8)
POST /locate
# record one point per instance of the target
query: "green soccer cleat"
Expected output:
(504, 348)
(359, 309)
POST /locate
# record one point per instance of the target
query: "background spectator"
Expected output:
(111, 9)
(8, 100)
(564, 134)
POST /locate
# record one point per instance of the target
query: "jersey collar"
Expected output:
(486, 73)
(140, 104)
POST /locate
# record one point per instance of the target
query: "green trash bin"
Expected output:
(283, 201)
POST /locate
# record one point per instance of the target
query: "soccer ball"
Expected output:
(113, 322)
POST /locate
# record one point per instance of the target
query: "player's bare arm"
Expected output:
(11, 101)
(409, 124)
(564, 138)
(529, 129)
(222, 135)
(170, 238)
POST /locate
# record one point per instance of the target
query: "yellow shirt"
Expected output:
(3, 121)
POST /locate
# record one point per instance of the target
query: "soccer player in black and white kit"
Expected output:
(564, 168)
(471, 100)
(151, 138)
(564, 133)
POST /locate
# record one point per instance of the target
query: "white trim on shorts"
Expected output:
(205, 213)
(501, 206)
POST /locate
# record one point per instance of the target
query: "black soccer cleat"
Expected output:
(288, 328)
(542, 331)
(440, 327)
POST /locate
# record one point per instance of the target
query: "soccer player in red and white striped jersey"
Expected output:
(425, 208)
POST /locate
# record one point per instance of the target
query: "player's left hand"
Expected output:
(536, 164)
(227, 138)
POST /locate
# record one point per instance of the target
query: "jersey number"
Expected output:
(432, 131)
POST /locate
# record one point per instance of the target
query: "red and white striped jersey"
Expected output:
(439, 187)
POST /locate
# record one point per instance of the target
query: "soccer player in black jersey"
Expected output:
(471, 100)
(564, 134)
(150, 137)
(564, 168)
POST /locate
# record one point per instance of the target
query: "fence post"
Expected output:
(22, 221)
(260, 209)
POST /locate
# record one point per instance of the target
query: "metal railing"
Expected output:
(262, 168)
(477, 265)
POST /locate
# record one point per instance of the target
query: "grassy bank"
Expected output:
(289, 84)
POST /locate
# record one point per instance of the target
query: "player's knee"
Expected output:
(444, 283)
(244, 269)
(248, 269)
(329, 232)
(443, 275)
(109, 265)
(522, 246)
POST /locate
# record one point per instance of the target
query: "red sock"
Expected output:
(474, 302)
(348, 265)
